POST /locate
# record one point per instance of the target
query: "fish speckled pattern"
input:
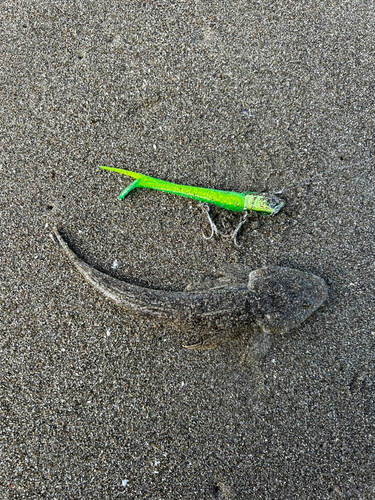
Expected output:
(277, 299)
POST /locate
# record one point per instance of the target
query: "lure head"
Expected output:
(264, 203)
(284, 297)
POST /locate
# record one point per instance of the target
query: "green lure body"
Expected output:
(237, 202)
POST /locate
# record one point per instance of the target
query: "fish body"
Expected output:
(277, 299)
(230, 200)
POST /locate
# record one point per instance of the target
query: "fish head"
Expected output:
(284, 298)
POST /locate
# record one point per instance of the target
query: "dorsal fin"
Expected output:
(238, 273)
(231, 274)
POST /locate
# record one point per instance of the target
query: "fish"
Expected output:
(275, 299)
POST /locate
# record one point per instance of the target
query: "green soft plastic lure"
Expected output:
(238, 202)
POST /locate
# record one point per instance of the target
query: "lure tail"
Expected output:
(141, 180)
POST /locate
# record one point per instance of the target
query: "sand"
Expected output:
(278, 96)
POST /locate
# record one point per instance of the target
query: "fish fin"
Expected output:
(127, 190)
(231, 274)
(204, 345)
(235, 273)
(208, 284)
(211, 342)
(258, 347)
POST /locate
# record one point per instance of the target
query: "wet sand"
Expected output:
(264, 96)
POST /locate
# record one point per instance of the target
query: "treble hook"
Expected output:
(233, 235)
(215, 231)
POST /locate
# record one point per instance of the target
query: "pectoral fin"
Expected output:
(210, 343)
(236, 273)
(231, 274)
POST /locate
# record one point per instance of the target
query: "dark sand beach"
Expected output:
(97, 403)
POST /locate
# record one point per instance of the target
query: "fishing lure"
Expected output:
(237, 202)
